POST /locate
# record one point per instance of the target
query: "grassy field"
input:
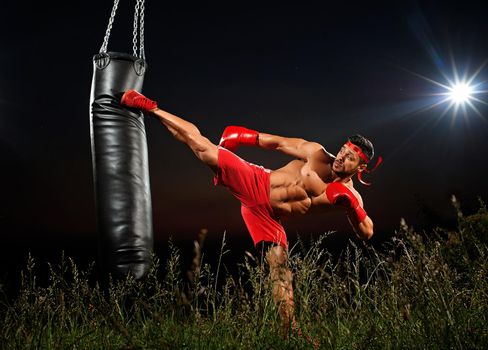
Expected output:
(425, 290)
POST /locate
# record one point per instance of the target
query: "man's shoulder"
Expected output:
(321, 153)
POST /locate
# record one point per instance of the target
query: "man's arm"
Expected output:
(235, 136)
(295, 147)
(364, 230)
(337, 193)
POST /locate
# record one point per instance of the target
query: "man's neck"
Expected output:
(337, 178)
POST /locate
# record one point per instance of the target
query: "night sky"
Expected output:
(320, 72)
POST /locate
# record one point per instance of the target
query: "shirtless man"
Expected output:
(314, 179)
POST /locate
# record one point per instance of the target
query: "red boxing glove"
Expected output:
(337, 191)
(134, 99)
(235, 136)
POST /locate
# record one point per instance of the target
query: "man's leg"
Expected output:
(189, 134)
(181, 129)
(281, 279)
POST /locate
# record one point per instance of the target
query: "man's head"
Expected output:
(353, 156)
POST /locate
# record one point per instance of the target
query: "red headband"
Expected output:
(366, 160)
(358, 151)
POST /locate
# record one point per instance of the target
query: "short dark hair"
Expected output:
(363, 143)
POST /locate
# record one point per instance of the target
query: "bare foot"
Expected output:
(296, 329)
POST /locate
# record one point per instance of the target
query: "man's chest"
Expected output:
(314, 177)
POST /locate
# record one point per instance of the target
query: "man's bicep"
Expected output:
(311, 147)
(295, 147)
(305, 149)
(279, 143)
(292, 146)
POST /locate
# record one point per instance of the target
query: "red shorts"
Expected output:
(249, 183)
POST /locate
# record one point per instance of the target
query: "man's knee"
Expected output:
(205, 150)
(276, 257)
(210, 156)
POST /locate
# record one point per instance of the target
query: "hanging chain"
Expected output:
(141, 34)
(138, 23)
(109, 28)
(134, 33)
(138, 29)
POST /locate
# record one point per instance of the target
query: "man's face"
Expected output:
(347, 162)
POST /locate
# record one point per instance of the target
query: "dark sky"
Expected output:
(320, 72)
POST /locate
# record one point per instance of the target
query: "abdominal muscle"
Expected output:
(289, 200)
(289, 191)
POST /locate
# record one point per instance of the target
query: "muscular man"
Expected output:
(315, 178)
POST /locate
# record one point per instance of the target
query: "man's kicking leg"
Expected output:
(181, 129)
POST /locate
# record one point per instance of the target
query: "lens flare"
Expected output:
(461, 93)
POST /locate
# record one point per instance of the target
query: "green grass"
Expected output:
(427, 290)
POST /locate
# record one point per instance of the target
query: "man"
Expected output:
(314, 179)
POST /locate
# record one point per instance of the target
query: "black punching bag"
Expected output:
(120, 166)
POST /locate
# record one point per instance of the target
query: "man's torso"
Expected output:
(300, 185)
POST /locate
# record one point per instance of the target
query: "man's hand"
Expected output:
(235, 136)
(338, 193)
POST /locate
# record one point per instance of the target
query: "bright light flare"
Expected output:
(460, 93)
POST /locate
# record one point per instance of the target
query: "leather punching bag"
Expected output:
(120, 166)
